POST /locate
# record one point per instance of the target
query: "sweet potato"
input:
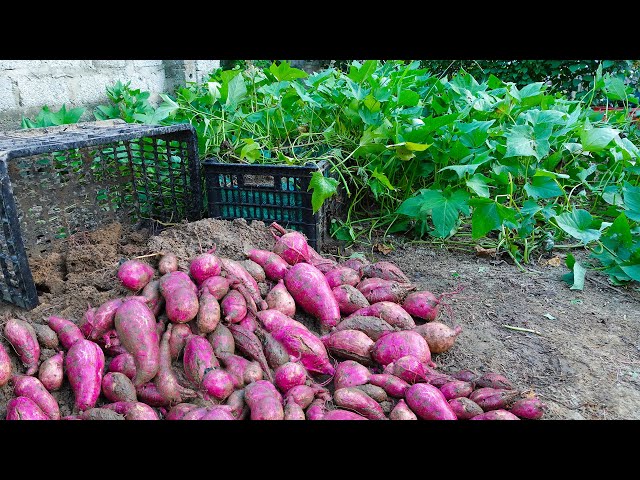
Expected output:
(208, 313)
(196, 413)
(375, 392)
(394, 386)
(409, 368)
(280, 299)
(235, 269)
(324, 264)
(275, 267)
(6, 369)
(529, 408)
(438, 335)
(386, 271)
(402, 412)
(351, 398)
(84, 366)
(242, 371)
(110, 343)
(23, 408)
(395, 345)
(216, 286)
(342, 276)
(86, 324)
(103, 318)
(499, 414)
(350, 374)
(390, 312)
(180, 410)
(317, 410)
(22, 338)
(148, 393)
(136, 327)
(167, 263)
(274, 320)
(292, 246)
(293, 411)
(465, 375)
(494, 398)
(134, 274)
(309, 288)
(493, 380)
(166, 380)
(67, 331)
(274, 351)
(123, 363)
(100, 414)
(238, 407)
(217, 384)
(349, 299)
(356, 263)
(264, 401)
(438, 379)
(428, 403)
(31, 387)
(254, 269)
(249, 323)
(464, 408)
(51, 372)
(179, 334)
(380, 290)
(422, 304)
(349, 344)
(133, 410)
(181, 305)
(301, 394)
(373, 327)
(301, 342)
(234, 306)
(204, 266)
(155, 300)
(339, 414)
(198, 358)
(222, 341)
(249, 344)
(290, 375)
(455, 389)
(117, 387)
(218, 412)
(46, 337)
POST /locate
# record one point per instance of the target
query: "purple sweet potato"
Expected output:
(136, 327)
(350, 374)
(339, 414)
(395, 345)
(438, 335)
(301, 394)
(275, 267)
(134, 274)
(349, 299)
(293, 411)
(375, 392)
(290, 375)
(198, 358)
(317, 410)
(380, 290)
(464, 408)
(390, 312)
(529, 408)
(373, 327)
(499, 414)
(465, 375)
(167, 263)
(234, 306)
(86, 324)
(239, 408)
(6, 369)
(422, 304)
(181, 305)
(46, 337)
(292, 246)
(394, 386)
(493, 380)
(356, 263)
(254, 269)
(51, 372)
(349, 344)
(342, 275)
(23, 339)
(179, 334)
(155, 300)
(217, 286)
(249, 344)
(67, 331)
(301, 342)
(273, 320)
(133, 410)
(123, 363)
(280, 299)
(324, 264)
(236, 270)
(309, 288)
(386, 271)
(31, 387)
(222, 341)
(249, 323)
(428, 403)
(274, 351)
(456, 389)
(103, 318)
(208, 313)
(402, 412)
(242, 371)
(351, 398)
(217, 384)
(166, 380)
(218, 412)
(180, 410)
(204, 266)
(196, 413)
(117, 387)
(23, 408)
(148, 393)
(100, 414)
(84, 366)
(494, 398)
(264, 401)
(409, 368)
(438, 379)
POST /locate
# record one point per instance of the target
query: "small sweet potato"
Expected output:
(133, 410)
(264, 401)
(375, 392)
(293, 411)
(218, 412)
(198, 358)
(181, 305)
(494, 398)
(217, 286)
(342, 275)
(290, 375)
(179, 334)
(464, 408)
(150, 394)
(166, 380)
(242, 371)
(350, 344)
(428, 403)
(380, 290)
(204, 266)
(67, 331)
(100, 414)
(529, 408)
(208, 313)
(155, 300)
(301, 394)
(23, 339)
(373, 327)
(249, 344)
(234, 306)
(350, 374)
(180, 410)
(167, 263)
(117, 387)
(351, 398)
(217, 384)
(394, 386)
(384, 270)
(103, 318)
(349, 299)
(84, 366)
(280, 299)
(317, 410)
(47, 338)
(123, 363)
(299, 341)
(222, 341)
(254, 269)
(134, 274)
(493, 380)
(238, 406)
(31, 387)
(274, 266)
(236, 270)
(274, 351)
(455, 389)
(499, 414)
(390, 312)
(23, 408)
(402, 412)
(356, 263)
(395, 345)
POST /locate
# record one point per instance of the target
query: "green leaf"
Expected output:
(632, 270)
(411, 206)
(578, 224)
(479, 184)
(521, 143)
(323, 188)
(251, 150)
(105, 112)
(597, 139)
(445, 211)
(382, 178)
(615, 88)
(359, 73)
(408, 98)
(284, 71)
(631, 197)
(236, 91)
(575, 278)
(214, 90)
(489, 215)
(543, 187)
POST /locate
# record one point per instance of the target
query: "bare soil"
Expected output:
(584, 360)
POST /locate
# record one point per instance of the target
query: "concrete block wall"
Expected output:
(27, 85)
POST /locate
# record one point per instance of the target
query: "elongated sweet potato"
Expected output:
(254, 269)
(235, 269)
(31, 387)
(103, 318)
(350, 374)
(180, 410)
(275, 267)
(123, 363)
(46, 337)
(86, 324)
(349, 299)
(394, 386)
(222, 341)
(529, 408)
(84, 367)
(274, 319)
(351, 398)
(342, 275)
(339, 414)
(466, 376)
(134, 274)
(204, 266)
(23, 339)
(309, 288)
(6, 369)
(380, 290)
(390, 312)
(217, 286)
(464, 408)
(301, 394)
(428, 403)
(357, 263)
(349, 344)
(133, 410)
(155, 300)
(493, 380)
(208, 313)
(280, 299)
(455, 389)
(386, 271)
(51, 372)
(166, 380)
(292, 245)
(234, 306)
(239, 408)
(67, 331)
(23, 408)
(198, 358)
(375, 392)
(301, 342)
(249, 344)
(264, 401)
(499, 414)
(179, 334)
(290, 375)
(100, 414)
(402, 412)
(167, 263)
(148, 393)
(136, 327)
(117, 387)
(274, 351)
(494, 398)
(373, 327)
(395, 345)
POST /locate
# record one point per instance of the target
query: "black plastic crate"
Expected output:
(58, 181)
(270, 193)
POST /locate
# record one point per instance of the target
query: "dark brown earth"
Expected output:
(584, 362)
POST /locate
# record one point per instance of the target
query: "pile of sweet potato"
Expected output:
(206, 345)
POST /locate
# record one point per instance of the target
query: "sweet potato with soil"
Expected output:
(301, 342)
(339, 414)
(204, 266)
(342, 276)
(349, 344)
(422, 304)
(23, 339)
(242, 371)
(67, 331)
(148, 393)
(438, 379)
(86, 324)
(23, 408)
(198, 358)
(249, 344)
(324, 264)
(301, 394)
(264, 401)
(293, 411)
(179, 334)
(117, 387)
(134, 274)
(46, 337)
(292, 246)
(408, 368)
(375, 392)
(234, 306)
(217, 286)
(84, 366)
(237, 404)
(275, 267)
(196, 413)
(218, 412)
(350, 398)
(103, 318)
(249, 323)
(390, 312)
(274, 320)
(380, 290)
(395, 345)
(456, 388)
(309, 288)
(356, 263)
(51, 372)
(373, 327)
(6, 369)
(167, 263)
(350, 374)
(236, 270)
(438, 335)
(254, 269)
(465, 375)
(290, 375)
(499, 414)
(180, 410)
(208, 313)
(100, 414)
(386, 271)
(274, 351)
(349, 299)
(182, 305)
(529, 408)
(493, 380)
(31, 387)
(133, 410)
(465, 408)
(317, 410)
(136, 327)
(428, 403)
(280, 299)
(217, 384)
(402, 412)
(166, 380)
(221, 341)
(494, 398)
(394, 386)
(123, 363)
(155, 300)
